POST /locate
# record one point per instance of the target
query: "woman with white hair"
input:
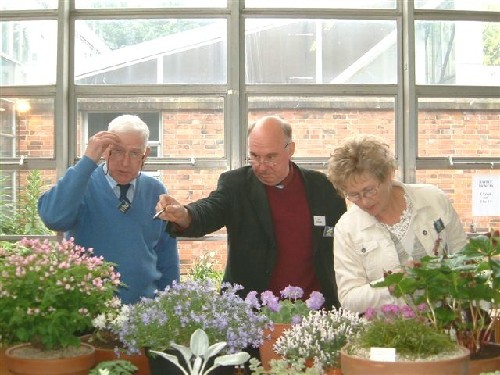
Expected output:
(390, 224)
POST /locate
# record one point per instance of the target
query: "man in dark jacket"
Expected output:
(279, 217)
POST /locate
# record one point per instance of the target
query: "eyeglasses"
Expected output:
(268, 161)
(119, 154)
(369, 192)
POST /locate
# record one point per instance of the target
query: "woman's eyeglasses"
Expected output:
(369, 192)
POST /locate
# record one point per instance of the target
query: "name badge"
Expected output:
(319, 221)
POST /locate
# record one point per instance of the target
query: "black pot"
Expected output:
(161, 366)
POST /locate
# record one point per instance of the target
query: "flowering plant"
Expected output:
(290, 309)
(175, 313)
(50, 291)
(457, 289)
(320, 336)
(399, 327)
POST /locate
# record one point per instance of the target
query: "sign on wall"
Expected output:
(486, 195)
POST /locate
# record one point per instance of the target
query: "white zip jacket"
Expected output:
(363, 248)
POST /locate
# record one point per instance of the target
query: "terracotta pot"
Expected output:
(486, 360)
(266, 349)
(139, 360)
(77, 365)
(103, 354)
(333, 371)
(3, 362)
(353, 365)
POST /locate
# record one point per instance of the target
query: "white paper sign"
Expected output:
(486, 195)
(383, 354)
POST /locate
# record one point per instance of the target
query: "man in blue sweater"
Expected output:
(109, 207)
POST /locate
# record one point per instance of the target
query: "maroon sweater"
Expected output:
(292, 228)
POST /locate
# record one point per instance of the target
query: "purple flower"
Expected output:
(315, 301)
(252, 300)
(389, 309)
(270, 300)
(292, 292)
(370, 313)
(407, 312)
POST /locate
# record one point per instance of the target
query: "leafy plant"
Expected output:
(23, 218)
(398, 327)
(199, 353)
(290, 308)
(206, 266)
(180, 309)
(319, 337)
(50, 291)
(116, 367)
(457, 290)
(282, 367)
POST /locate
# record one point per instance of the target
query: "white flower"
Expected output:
(99, 321)
(320, 335)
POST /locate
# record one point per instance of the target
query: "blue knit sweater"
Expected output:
(84, 206)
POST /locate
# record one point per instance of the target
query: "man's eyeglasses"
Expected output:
(268, 161)
(369, 192)
(119, 154)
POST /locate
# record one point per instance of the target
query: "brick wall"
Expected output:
(194, 133)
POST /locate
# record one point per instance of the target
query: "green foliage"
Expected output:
(122, 33)
(206, 266)
(116, 367)
(491, 44)
(23, 218)
(456, 289)
(290, 308)
(410, 337)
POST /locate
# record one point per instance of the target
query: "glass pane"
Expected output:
(27, 127)
(334, 4)
(462, 127)
(28, 4)
(190, 252)
(320, 51)
(457, 53)
(188, 186)
(96, 4)
(189, 51)
(457, 184)
(29, 52)
(482, 5)
(319, 124)
(180, 127)
(19, 192)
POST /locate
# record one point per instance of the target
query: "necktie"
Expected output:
(123, 192)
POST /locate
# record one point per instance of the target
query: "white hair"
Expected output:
(130, 123)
